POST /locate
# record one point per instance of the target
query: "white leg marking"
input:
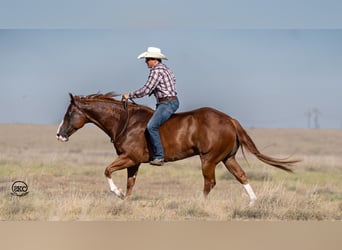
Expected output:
(118, 192)
(251, 194)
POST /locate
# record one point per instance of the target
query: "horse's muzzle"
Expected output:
(62, 138)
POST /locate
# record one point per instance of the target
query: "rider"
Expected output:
(161, 83)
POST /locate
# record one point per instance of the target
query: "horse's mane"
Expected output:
(110, 96)
(107, 97)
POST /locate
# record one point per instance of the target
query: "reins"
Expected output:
(125, 105)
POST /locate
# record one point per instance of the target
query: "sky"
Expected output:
(267, 63)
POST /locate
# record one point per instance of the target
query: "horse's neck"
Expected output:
(106, 116)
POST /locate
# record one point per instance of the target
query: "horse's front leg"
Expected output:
(132, 173)
(121, 162)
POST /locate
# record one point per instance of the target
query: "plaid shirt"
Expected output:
(161, 82)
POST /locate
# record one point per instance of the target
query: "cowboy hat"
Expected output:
(152, 52)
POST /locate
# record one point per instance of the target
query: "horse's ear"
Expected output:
(72, 100)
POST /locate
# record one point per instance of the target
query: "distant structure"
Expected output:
(308, 117)
(313, 114)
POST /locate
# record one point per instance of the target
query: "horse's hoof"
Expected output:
(119, 193)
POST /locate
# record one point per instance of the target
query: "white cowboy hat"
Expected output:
(152, 52)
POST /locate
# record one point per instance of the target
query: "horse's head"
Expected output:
(73, 120)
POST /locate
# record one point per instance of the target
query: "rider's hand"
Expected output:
(125, 96)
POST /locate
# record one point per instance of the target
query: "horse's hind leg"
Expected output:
(208, 171)
(233, 167)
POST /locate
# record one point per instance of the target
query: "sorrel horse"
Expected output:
(211, 134)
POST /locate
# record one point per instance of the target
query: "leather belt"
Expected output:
(168, 98)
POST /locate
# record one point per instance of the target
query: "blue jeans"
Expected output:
(162, 113)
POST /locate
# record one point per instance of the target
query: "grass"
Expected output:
(66, 181)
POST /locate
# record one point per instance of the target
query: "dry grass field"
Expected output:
(66, 180)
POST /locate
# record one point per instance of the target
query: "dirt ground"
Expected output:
(66, 181)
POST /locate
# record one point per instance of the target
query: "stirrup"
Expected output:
(157, 162)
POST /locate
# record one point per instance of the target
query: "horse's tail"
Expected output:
(246, 141)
